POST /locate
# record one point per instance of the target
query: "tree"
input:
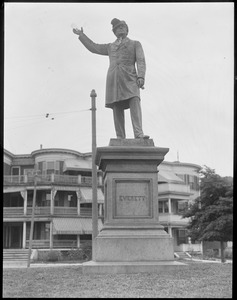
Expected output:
(211, 214)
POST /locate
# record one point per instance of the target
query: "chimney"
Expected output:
(41, 146)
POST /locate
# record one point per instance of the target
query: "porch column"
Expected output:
(100, 181)
(78, 241)
(79, 179)
(51, 235)
(170, 231)
(100, 209)
(78, 207)
(78, 202)
(25, 178)
(24, 236)
(52, 202)
(25, 203)
(169, 205)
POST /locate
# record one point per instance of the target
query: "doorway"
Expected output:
(12, 235)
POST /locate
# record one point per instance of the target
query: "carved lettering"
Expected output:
(132, 198)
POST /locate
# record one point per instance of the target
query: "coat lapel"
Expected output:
(123, 44)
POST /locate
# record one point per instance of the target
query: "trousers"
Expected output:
(136, 118)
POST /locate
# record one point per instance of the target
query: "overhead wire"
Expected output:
(43, 115)
(46, 117)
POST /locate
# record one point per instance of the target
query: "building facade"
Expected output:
(178, 186)
(62, 180)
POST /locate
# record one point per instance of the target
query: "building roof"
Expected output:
(59, 150)
(168, 176)
(77, 165)
(181, 164)
(86, 195)
(74, 225)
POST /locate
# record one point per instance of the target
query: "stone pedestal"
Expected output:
(131, 240)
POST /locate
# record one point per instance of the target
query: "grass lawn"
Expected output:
(197, 280)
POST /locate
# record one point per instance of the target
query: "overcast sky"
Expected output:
(187, 103)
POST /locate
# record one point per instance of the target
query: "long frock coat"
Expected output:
(121, 82)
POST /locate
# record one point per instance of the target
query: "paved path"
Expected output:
(228, 261)
(46, 265)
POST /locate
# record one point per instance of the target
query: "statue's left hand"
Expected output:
(140, 82)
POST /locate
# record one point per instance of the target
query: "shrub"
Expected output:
(74, 254)
(52, 256)
(77, 254)
(211, 253)
(42, 255)
(86, 247)
(228, 253)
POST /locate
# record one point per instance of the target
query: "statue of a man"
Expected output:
(124, 80)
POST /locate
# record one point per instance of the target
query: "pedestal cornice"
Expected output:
(129, 150)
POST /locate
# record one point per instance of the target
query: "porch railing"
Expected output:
(45, 210)
(172, 218)
(84, 211)
(47, 179)
(45, 244)
(60, 210)
(14, 179)
(66, 179)
(40, 210)
(38, 244)
(13, 211)
(64, 244)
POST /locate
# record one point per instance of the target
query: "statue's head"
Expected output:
(117, 25)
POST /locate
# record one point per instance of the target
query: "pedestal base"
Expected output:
(132, 240)
(92, 267)
(122, 245)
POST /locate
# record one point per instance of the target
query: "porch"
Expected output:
(11, 212)
(48, 179)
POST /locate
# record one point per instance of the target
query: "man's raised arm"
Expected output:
(101, 49)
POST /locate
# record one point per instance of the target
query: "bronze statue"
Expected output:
(123, 79)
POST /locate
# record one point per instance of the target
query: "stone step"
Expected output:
(15, 256)
(182, 255)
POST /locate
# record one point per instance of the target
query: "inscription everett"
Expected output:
(132, 198)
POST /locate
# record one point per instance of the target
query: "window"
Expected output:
(48, 196)
(191, 180)
(59, 199)
(50, 167)
(41, 231)
(163, 207)
(16, 201)
(29, 172)
(16, 171)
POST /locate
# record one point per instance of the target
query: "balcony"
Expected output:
(173, 219)
(11, 212)
(48, 179)
(166, 188)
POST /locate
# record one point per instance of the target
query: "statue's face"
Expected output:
(121, 31)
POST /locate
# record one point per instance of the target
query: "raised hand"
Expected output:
(77, 31)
